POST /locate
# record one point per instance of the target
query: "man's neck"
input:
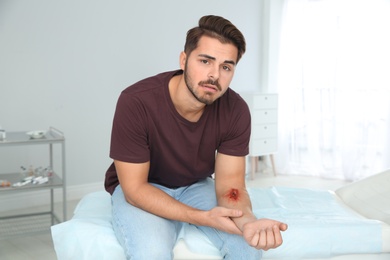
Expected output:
(186, 105)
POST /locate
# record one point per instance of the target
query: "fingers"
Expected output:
(263, 240)
(232, 213)
(283, 226)
(271, 234)
(264, 233)
(235, 213)
(267, 238)
(226, 212)
(221, 218)
(277, 235)
(255, 239)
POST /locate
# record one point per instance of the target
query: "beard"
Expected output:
(207, 98)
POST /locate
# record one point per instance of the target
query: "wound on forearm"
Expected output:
(233, 195)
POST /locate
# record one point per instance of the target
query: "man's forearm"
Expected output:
(157, 202)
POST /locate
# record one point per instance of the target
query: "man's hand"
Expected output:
(221, 218)
(264, 233)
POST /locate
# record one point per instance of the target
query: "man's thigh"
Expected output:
(200, 195)
(141, 234)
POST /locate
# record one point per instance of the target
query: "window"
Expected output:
(334, 88)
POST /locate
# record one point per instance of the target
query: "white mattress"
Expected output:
(321, 226)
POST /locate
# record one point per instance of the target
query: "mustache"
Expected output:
(211, 82)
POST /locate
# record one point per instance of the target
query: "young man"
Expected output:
(170, 133)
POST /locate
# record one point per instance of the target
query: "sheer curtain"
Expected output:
(334, 88)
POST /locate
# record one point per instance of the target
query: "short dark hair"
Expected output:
(216, 27)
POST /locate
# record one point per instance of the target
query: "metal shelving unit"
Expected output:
(36, 221)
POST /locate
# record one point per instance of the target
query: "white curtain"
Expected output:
(334, 88)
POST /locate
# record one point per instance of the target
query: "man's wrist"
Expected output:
(246, 218)
(197, 217)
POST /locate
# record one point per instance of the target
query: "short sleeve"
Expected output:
(129, 137)
(235, 141)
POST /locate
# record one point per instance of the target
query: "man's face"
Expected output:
(209, 69)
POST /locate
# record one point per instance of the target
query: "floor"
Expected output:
(40, 246)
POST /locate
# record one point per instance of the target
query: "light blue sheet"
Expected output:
(319, 226)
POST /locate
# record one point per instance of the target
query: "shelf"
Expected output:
(54, 182)
(34, 222)
(21, 138)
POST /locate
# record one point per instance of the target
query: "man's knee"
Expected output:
(141, 246)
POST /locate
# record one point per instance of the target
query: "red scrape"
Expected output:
(233, 195)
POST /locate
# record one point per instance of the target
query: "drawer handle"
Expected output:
(265, 142)
(265, 113)
(265, 127)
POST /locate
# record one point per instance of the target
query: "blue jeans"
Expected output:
(147, 236)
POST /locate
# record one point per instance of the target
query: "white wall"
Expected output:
(64, 63)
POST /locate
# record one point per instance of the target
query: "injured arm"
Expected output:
(232, 193)
(236, 197)
(230, 187)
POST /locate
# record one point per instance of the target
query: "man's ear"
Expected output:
(183, 58)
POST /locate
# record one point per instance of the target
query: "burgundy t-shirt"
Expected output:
(147, 127)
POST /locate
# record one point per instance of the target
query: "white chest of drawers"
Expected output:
(264, 136)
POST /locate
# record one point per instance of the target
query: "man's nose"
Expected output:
(214, 73)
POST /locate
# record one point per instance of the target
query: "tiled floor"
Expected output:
(40, 247)
(31, 247)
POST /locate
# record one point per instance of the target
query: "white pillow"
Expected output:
(369, 197)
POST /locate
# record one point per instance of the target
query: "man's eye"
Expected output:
(205, 61)
(227, 68)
